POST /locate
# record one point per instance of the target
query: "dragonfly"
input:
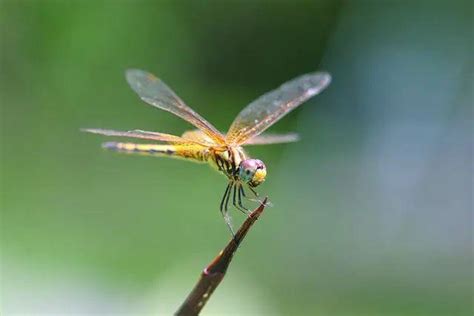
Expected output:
(206, 144)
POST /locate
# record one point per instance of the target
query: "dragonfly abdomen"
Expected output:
(176, 151)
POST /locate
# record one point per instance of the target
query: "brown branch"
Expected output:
(215, 271)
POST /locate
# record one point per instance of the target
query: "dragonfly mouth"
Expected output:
(253, 184)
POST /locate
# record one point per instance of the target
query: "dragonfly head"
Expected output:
(252, 171)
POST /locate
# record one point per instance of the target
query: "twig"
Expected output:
(215, 271)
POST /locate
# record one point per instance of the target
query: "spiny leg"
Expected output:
(234, 201)
(224, 197)
(240, 193)
(225, 207)
(227, 198)
(255, 194)
(243, 191)
(268, 203)
(253, 191)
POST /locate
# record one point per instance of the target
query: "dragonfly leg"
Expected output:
(238, 205)
(240, 193)
(253, 191)
(227, 198)
(256, 199)
(224, 197)
(225, 207)
(255, 194)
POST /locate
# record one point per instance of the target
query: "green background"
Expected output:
(372, 208)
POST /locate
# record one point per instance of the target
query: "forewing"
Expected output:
(267, 139)
(272, 106)
(155, 92)
(143, 135)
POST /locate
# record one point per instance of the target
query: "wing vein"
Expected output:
(156, 93)
(272, 106)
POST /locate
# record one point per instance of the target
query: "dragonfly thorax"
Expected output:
(234, 163)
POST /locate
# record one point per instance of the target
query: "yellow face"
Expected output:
(258, 177)
(252, 171)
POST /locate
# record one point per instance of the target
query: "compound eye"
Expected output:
(247, 174)
(247, 169)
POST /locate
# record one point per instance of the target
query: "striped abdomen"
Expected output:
(194, 152)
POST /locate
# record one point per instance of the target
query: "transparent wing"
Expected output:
(155, 92)
(266, 139)
(272, 106)
(198, 136)
(143, 135)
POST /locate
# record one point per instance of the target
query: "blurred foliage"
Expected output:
(373, 207)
